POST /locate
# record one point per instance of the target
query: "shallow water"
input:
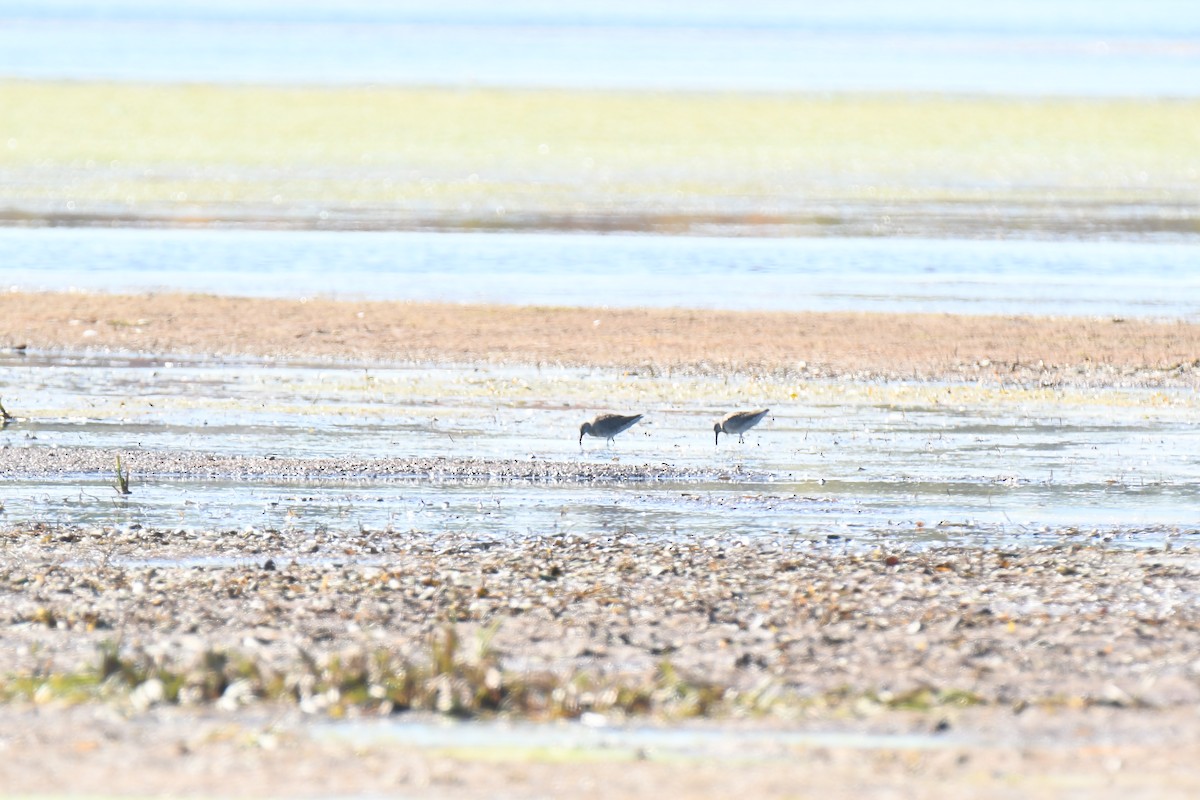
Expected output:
(1050, 47)
(905, 462)
(1081, 278)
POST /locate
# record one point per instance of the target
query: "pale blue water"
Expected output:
(1091, 278)
(1104, 47)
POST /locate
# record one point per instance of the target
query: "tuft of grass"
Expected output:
(122, 482)
(928, 699)
(451, 680)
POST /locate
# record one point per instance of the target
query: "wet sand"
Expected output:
(173, 752)
(860, 346)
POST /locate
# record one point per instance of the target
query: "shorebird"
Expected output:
(606, 426)
(738, 422)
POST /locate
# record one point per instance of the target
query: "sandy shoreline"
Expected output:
(1015, 350)
(209, 661)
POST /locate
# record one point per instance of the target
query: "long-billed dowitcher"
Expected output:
(606, 426)
(738, 422)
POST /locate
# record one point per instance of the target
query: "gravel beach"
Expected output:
(1012, 626)
(1036, 665)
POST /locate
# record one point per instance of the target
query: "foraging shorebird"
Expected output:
(738, 422)
(606, 426)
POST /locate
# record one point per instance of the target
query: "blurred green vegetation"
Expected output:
(512, 158)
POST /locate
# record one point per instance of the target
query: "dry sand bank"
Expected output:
(1027, 350)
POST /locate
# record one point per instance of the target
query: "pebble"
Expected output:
(814, 620)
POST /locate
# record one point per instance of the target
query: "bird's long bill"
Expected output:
(717, 437)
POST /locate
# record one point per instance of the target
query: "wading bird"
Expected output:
(738, 422)
(606, 426)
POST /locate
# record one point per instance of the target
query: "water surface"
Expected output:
(1067, 277)
(1056, 47)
